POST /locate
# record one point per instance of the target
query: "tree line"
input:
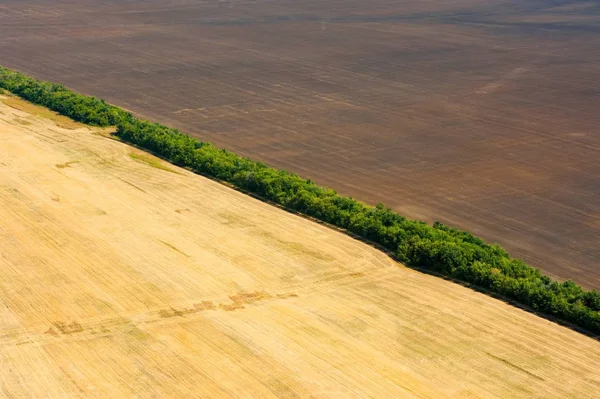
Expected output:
(444, 250)
(85, 109)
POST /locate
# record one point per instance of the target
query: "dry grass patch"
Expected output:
(107, 132)
(23, 122)
(151, 160)
(39, 111)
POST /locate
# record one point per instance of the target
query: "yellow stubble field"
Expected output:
(124, 276)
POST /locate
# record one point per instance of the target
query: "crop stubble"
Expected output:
(123, 276)
(480, 114)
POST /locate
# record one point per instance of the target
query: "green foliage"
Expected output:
(448, 251)
(58, 98)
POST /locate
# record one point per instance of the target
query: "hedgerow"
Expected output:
(447, 251)
(58, 98)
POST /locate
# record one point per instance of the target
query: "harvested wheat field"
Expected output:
(123, 276)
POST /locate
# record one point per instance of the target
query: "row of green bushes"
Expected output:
(444, 250)
(58, 98)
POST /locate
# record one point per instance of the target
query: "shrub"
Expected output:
(60, 99)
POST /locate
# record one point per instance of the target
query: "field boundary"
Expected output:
(440, 250)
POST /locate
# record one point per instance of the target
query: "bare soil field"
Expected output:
(480, 114)
(123, 276)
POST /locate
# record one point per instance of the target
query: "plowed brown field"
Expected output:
(122, 276)
(481, 114)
